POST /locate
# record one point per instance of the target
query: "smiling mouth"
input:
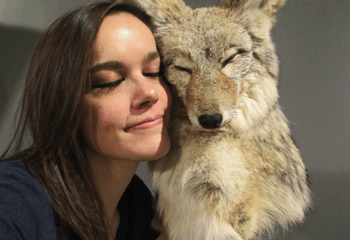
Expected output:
(146, 124)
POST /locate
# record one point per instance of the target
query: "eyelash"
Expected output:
(116, 83)
(108, 85)
(152, 75)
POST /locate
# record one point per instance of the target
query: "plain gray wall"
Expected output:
(313, 43)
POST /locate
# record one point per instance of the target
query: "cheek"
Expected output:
(100, 119)
(108, 116)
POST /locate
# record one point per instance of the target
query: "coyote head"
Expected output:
(220, 61)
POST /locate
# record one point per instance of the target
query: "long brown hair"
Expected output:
(50, 112)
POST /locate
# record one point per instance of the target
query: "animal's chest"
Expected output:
(209, 156)
(208, 145)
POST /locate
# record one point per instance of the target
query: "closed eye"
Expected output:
(229, 59)
(184, 69)
(152, 75)
(108, 85)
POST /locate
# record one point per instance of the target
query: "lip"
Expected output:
(147, 123)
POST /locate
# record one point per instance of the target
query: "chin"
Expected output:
(157, 152)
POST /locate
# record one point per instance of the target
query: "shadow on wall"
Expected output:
(16, 45)
(330, 216)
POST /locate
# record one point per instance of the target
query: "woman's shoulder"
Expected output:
(11, 168)
(16, 179)
(23, 204)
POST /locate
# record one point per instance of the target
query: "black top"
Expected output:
(136, 213)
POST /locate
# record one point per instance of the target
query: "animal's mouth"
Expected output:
(186, 122)
(205, 123)
(211, 132)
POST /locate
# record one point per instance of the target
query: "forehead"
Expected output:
(122, 31)
(122, 21)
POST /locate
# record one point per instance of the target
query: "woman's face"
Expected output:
(127, 112)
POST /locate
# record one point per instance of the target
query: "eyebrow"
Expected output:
(117, 65)
(151, 56)
(105, 65)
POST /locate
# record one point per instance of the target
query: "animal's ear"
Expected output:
(268, 6)
(256, 15)
(271, 6)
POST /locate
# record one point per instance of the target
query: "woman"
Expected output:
(94, 106)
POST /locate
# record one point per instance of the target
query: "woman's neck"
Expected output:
(111, 177)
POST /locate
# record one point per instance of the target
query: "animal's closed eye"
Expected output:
(229, 59)
(184, 69)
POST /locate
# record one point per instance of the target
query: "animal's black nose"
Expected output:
(210, 121)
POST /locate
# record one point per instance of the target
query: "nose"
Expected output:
(210, 121)
(145, 94)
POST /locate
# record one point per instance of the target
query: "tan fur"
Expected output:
(245, 176)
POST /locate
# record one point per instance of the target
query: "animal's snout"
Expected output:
(210, 121)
